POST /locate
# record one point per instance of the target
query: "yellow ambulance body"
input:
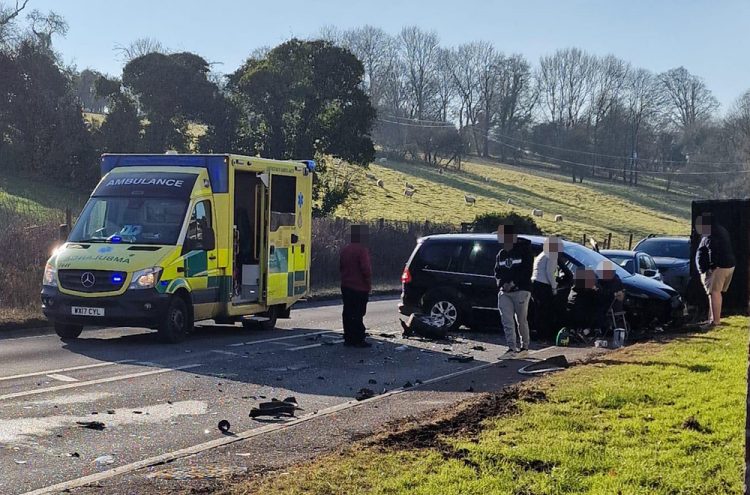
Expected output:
(168, 240)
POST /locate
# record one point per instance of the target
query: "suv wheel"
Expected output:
(446, 307)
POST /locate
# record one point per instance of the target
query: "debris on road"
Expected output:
(104, 460)
(461, 358)
(91, 425)
(365, 393)
(19, 462)
(478, 348)
(408, 385)
(553, 363)
(388, 335)
(372, 381)
(110, 411)
(401, 348)
(224, 426)
(276, 408)
(74, 454)
(429, 327)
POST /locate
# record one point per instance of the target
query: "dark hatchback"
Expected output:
(672, 257)
(452, 276)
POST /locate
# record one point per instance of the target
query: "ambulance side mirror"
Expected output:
(209, 240)
(64, 232)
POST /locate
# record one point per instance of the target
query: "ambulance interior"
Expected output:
(248, 190)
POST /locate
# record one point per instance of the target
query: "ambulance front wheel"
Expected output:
(177, 321)
(67, 331)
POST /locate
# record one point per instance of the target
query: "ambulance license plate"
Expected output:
(81, 311)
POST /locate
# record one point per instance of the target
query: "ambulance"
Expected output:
(168, 240)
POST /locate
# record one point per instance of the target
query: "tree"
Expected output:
(305, 98)
(372, 46)
(420, 52)
(8, 15)
(121, 130)
(564, 79)
(172, 92)
(139, 48)
(516, 97)
(84, 89)
(44, 26)
(686, 99)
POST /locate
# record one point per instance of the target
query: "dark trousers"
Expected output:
(355, 308)
(544, 309)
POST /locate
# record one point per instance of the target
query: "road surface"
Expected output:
(159, 400)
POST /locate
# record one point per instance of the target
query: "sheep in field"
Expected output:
(470, 200)
(558, 218)
(537, 213)
(410, 186)
(510, 201)
(409, 192)
(381, 183)
(370, 176)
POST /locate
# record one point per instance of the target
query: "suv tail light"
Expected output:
(406, 276)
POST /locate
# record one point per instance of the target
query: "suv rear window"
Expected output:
(440, 256)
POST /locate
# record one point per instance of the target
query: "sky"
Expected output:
(709, 38)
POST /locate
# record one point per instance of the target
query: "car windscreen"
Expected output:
(130, 220)
(590, 258)
(665, 248)
(622, 260)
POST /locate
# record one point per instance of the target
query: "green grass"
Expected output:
(39, 200)
(596, 208)
(655, 418)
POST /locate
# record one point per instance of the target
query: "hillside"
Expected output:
(595, 208)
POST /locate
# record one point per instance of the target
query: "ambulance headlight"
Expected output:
(50, 276)
(146, 279)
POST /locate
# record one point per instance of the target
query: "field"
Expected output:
(654, 418)
(594, 208)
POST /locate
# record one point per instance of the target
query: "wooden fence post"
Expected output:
(584, 239)
(609, 241)
(68, 217)
(630, 242)
(381, 223)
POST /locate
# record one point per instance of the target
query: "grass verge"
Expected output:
(655, 418)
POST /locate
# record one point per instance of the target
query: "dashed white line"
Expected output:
(276, 339)
(227, 353)
(62, 378)
(65, 370)
(110, 379)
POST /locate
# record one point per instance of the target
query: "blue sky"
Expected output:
(710, 38)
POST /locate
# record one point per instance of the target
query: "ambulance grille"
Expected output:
(91, 280)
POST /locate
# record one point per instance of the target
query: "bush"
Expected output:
(488, 222)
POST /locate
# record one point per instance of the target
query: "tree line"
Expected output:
(591, 115)
(346, 92)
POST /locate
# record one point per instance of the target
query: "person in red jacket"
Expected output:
(356, 283)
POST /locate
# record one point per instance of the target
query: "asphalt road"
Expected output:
(155, 399)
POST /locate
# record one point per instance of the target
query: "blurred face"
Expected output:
(505, 236)
(703, 225)
(552, 245)
(606, 270)
(585, 279)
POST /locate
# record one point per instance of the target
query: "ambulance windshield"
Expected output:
(130, 220)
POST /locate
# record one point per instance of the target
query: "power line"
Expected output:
(558, 148)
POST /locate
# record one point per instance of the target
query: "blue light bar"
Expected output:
(310, 165)
(218, 171)
(115, 239)
(117, 278)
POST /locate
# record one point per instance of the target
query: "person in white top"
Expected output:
(544, 286)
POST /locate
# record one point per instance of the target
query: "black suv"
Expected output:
(452, 276)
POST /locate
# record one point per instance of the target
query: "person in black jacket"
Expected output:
(513, 267)
(715, 261)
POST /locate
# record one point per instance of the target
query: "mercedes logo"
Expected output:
(88, 280)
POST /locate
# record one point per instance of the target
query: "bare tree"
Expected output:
(446, 89)
(686, 99)
(420, 52)
(516, 96)
(373, 47)
(609, 75)
(464, 63)
(140, 47)
(489, 71)
(564, 81)
(44, 26)
(8, 15)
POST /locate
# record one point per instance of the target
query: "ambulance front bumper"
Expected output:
(141, 308)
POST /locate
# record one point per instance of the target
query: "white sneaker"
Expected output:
(510, 353)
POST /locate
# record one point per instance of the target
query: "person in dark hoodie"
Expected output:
(356, 284)
(513, 267)
(715, 261)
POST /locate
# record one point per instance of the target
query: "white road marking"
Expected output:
(64, 370)
(276, 339)
(220, 442)
(62, 378)
(94, 382)
(310, 346)
(14, 430)
(228, 353)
